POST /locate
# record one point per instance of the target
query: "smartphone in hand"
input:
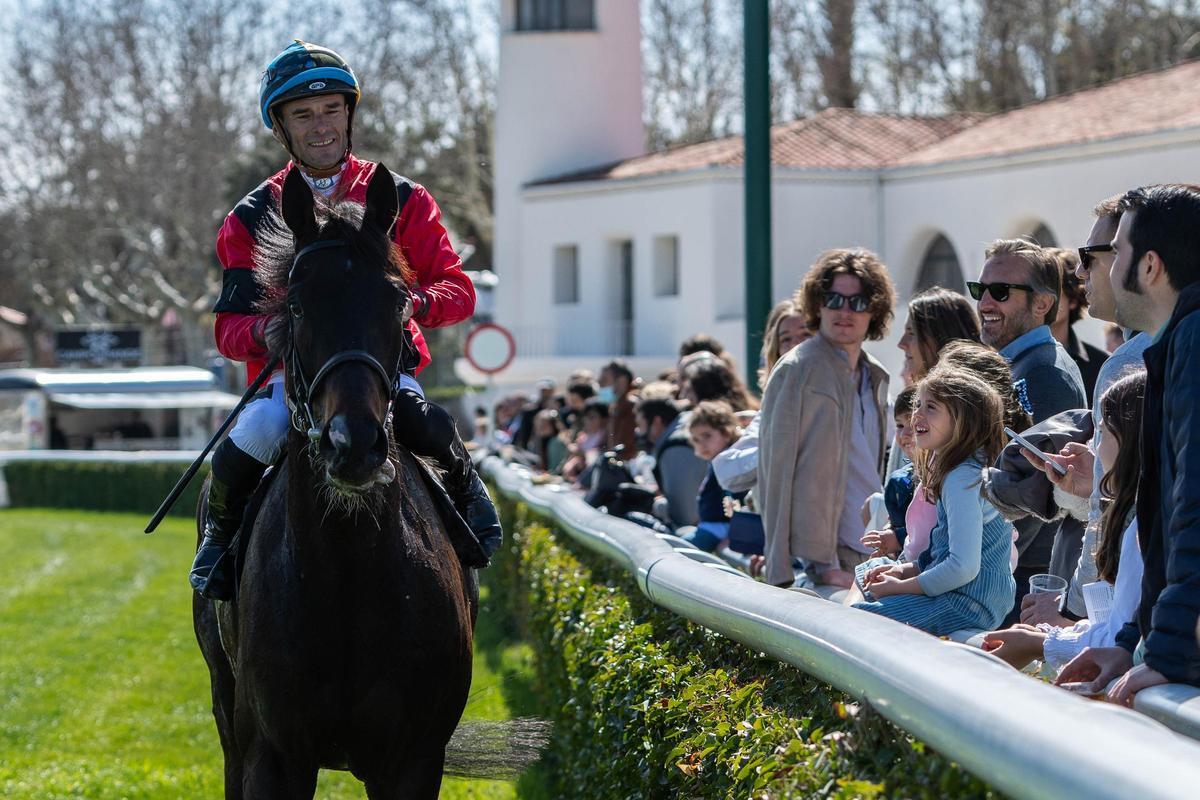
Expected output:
(1038, 454)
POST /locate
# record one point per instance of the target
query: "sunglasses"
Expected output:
(835, 300)
(998, 291)
(1085, 254)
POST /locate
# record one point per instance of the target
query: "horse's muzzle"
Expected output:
(355, 452)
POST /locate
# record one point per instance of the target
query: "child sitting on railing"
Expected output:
(712, 428)
(963, 580)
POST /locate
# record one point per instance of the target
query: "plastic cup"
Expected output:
(1045, 583)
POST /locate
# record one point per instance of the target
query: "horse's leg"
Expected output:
(419, 778)
(269, 775)
(222, 692)
(204, 615)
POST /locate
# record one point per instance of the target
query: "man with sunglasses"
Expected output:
(824, 424)
(1156, 287)
(1083, 481)
(307, 100)
(1017, 294)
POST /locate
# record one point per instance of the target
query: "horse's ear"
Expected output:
(298, 207)
(382, 203)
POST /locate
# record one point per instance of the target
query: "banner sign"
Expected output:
(98, 346)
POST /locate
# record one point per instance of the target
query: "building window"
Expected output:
(666, 266)
(555, 15)
(940, 267)
(566, 274)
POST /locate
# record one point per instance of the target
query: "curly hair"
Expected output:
(716, 414)
(858, 263)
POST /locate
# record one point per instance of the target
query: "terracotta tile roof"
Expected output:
(1155, 101)
(833, 139)
(837, 138)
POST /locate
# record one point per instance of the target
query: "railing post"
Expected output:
(757, 181)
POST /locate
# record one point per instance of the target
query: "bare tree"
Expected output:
(835, 57)
(692, 55)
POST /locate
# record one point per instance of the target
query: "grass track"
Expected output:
(103, 691)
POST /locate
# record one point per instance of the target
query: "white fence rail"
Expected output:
(1025, 738)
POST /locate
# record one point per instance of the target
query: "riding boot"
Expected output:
(235, 475)
(472, 500)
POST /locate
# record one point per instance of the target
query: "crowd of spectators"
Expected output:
(1075, 550)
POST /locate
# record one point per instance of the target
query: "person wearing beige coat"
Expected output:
(808, 413)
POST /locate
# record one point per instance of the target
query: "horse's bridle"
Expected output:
(299, 398)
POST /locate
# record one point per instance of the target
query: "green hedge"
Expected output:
(647, 705)
(135, 486)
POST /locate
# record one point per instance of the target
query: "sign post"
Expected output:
(490, 348)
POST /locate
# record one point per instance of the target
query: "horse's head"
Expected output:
(345, 312)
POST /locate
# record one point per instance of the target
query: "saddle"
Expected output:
(462, 539)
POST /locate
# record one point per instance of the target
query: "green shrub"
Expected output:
(134, 486)
(648, 705)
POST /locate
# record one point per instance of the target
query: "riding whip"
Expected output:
(251, 390)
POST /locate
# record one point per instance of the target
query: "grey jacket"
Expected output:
(1022, 493)
(1048, 382)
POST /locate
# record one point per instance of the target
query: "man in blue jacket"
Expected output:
(1017, 292)
(1156, 285)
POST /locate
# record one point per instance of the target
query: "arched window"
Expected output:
(1042, 235)
(556, 15)
(940, 267)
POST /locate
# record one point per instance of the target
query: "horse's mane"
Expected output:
(275, 250)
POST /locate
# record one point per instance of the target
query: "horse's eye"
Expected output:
(295, 307)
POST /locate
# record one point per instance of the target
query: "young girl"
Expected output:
(901, 484)
(963, 580)
(712, 428)
(1118, 558)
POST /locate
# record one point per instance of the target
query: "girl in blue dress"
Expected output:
(963, 580)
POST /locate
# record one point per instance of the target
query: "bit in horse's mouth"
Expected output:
(382, 477)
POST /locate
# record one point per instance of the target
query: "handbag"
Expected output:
(746, 534)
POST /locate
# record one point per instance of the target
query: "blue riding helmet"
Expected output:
(306, 70)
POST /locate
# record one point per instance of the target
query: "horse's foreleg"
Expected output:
(269, 775)
(222, 694)
(418, 778)
(222, 682)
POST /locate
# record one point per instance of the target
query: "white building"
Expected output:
(630, 257)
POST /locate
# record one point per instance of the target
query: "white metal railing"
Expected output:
(1022, 736)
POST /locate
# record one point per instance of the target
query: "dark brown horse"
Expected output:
(349, 644)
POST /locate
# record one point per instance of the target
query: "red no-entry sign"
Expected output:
(490, 348)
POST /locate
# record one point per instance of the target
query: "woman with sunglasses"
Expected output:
(824, 423)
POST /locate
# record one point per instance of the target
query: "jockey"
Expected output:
(308, 97)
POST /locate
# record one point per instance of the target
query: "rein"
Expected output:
(300, 398)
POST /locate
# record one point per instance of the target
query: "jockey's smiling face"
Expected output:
(317, 128)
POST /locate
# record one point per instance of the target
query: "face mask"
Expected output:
(607, 394)
(643, 442)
